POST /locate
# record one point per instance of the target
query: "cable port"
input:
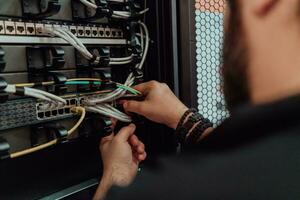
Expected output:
(41, 115)
(10, 28)
(73, 30)
(80, 31)
(88, 31)
(20, 28)
(101, 32)
(39, 28)
(54, 112)
(120, 34)
(107, 33)
(61, 111)
(30, 29)
(94, 32)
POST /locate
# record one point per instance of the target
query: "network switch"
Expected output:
(23, 112)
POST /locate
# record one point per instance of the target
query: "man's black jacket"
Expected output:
(253, 155)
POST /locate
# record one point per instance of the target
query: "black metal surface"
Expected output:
(49, 171)
(160, 67)
(187, 71)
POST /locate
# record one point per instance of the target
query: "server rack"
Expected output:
(71, 170)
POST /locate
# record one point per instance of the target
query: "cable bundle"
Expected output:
(97, 104)
(70, 38)
(115, 14)
(130, 79)
(35, 93)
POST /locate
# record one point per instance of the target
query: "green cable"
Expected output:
(128, 89)
(99, 83)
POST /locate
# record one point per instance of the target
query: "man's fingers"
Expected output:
(144, 88)
(126, 132)
(142, 157)
(107, 139)
(141, 148)
(134, 107)
(134, 141)
(136, 144)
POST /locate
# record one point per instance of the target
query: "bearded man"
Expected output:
(254, 154)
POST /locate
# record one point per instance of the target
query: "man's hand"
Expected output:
(160, 104)
(121, 155)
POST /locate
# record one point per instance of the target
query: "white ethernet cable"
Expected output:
(90, 4)
(130, 79)
(109, 111)
(39, 94)
(115, 14)
(69, 37)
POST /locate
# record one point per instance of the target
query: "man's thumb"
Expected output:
(125, 133)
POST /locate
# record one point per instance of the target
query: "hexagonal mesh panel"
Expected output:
(209, 37)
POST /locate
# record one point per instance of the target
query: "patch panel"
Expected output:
(20, 28)
(6, 39)
(10, 28)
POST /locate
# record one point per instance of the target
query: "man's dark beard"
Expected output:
(235, 61)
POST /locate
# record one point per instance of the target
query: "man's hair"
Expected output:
(235, 59)
(232, 4)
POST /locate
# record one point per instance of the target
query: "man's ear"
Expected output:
(262, 7)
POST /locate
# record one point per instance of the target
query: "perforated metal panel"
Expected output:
(209, 37)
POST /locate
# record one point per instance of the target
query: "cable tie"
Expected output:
(20, 91)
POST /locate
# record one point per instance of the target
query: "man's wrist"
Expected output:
(105, 184)
(177, 116)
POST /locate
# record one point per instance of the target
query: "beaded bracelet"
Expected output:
(184, 129)
(196, 133)
(183, 118)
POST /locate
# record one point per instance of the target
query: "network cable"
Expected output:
(115, 14)
(32, 92)
(103, 109)
(69, 37)
(75, 81)
(109, 111)
(130, 79)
